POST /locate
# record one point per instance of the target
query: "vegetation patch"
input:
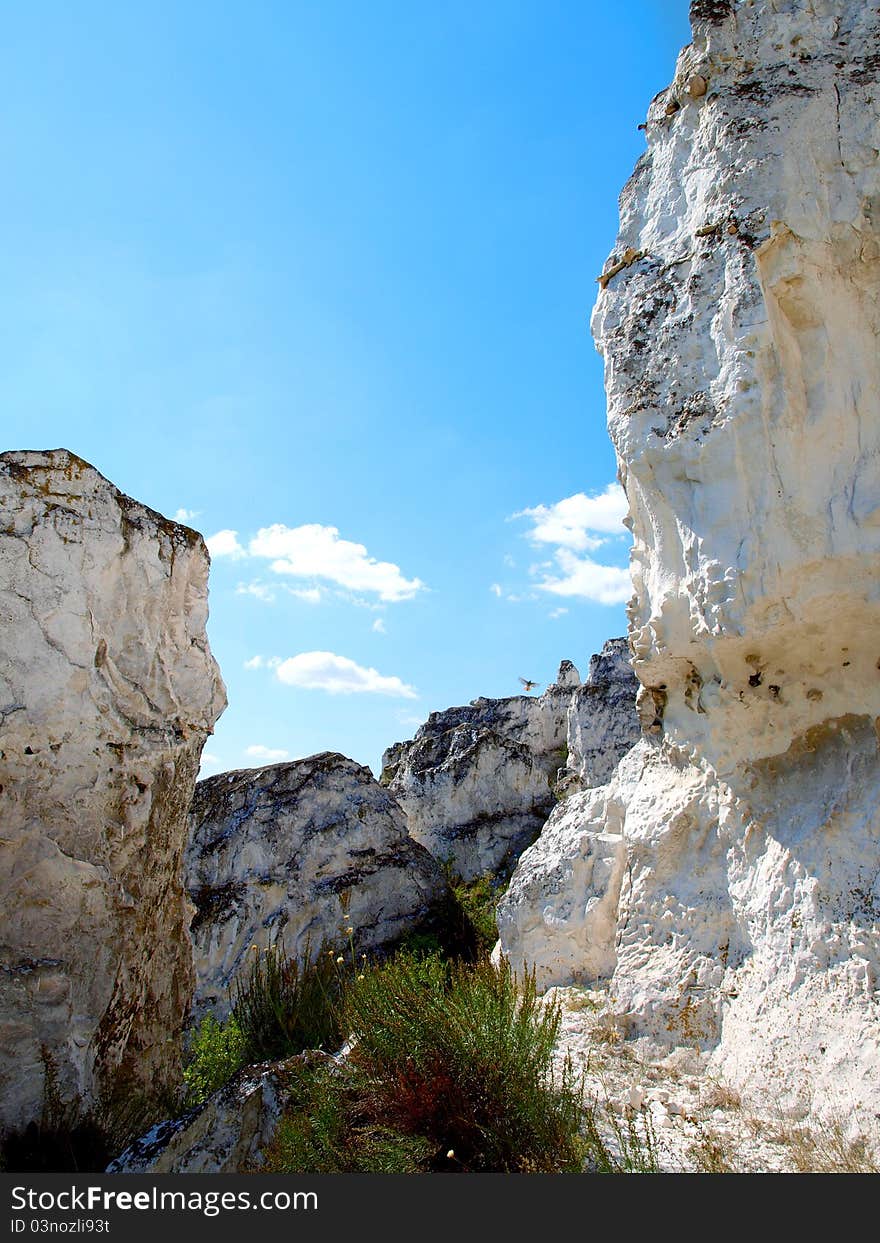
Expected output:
(283, 1005)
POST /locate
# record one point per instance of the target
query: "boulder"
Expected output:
(296, 853)
(107, 692)
(227, 1134)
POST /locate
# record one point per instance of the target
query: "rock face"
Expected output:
(298, 852)
(226, 1134)
(602, 721)
(107, 692)
(726, 882)
(477, 783)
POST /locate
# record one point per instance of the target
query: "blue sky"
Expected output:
(320, 275)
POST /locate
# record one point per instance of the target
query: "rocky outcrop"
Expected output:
(227, 1134)
(297, 853)
(602, 722)
(107, 692)
(726, 882)
(478, 782)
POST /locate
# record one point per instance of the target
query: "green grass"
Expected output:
(282, 1005)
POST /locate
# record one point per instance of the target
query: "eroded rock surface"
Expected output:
(227, 1134)
(107, 692)
(602, 721)
(725, 884)
(478, 782)
(297, 853)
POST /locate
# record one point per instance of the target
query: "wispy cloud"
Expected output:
(311, 595)
(378, 626)
(338, 675)
(186, 515)
(560, 612)
(225, 544)
(261, 591)
(261, 662)
(268, 755)
(496, 590)
(577, 526)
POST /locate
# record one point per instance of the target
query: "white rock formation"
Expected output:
(726, 882)
(298, 852)
(227, 1134)
(107, 692)
(478, 782)
(602, 721)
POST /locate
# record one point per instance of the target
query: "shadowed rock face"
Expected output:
(726, 881)
(478, 782)
(107, 692)
(296, 853)
(602, 720)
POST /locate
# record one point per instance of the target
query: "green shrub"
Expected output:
(327, 1130)
(478, 900)
(216, 1052)
(460, 1056)
(283, 1006)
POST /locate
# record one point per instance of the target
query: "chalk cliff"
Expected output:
(107, 692)
(726, 882)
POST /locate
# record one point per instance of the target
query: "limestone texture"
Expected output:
(227, 1134)
(725, 883)
(602, 721)
(297, 853)
(107, 692)
(478, 782)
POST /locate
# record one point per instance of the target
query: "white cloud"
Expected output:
(557, 613)
(379, 626)
(269, 755)
(337, 675)
(225, 544)
(588, 580)
(578, 525)
(258, 589)
(260, 662)
(579, 521)
(209, 763)
(311, 595)
(496, 590)
(315, 551)
(186, 515)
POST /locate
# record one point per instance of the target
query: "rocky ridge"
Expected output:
(478, 782)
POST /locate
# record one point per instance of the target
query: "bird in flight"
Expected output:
(528, 684)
